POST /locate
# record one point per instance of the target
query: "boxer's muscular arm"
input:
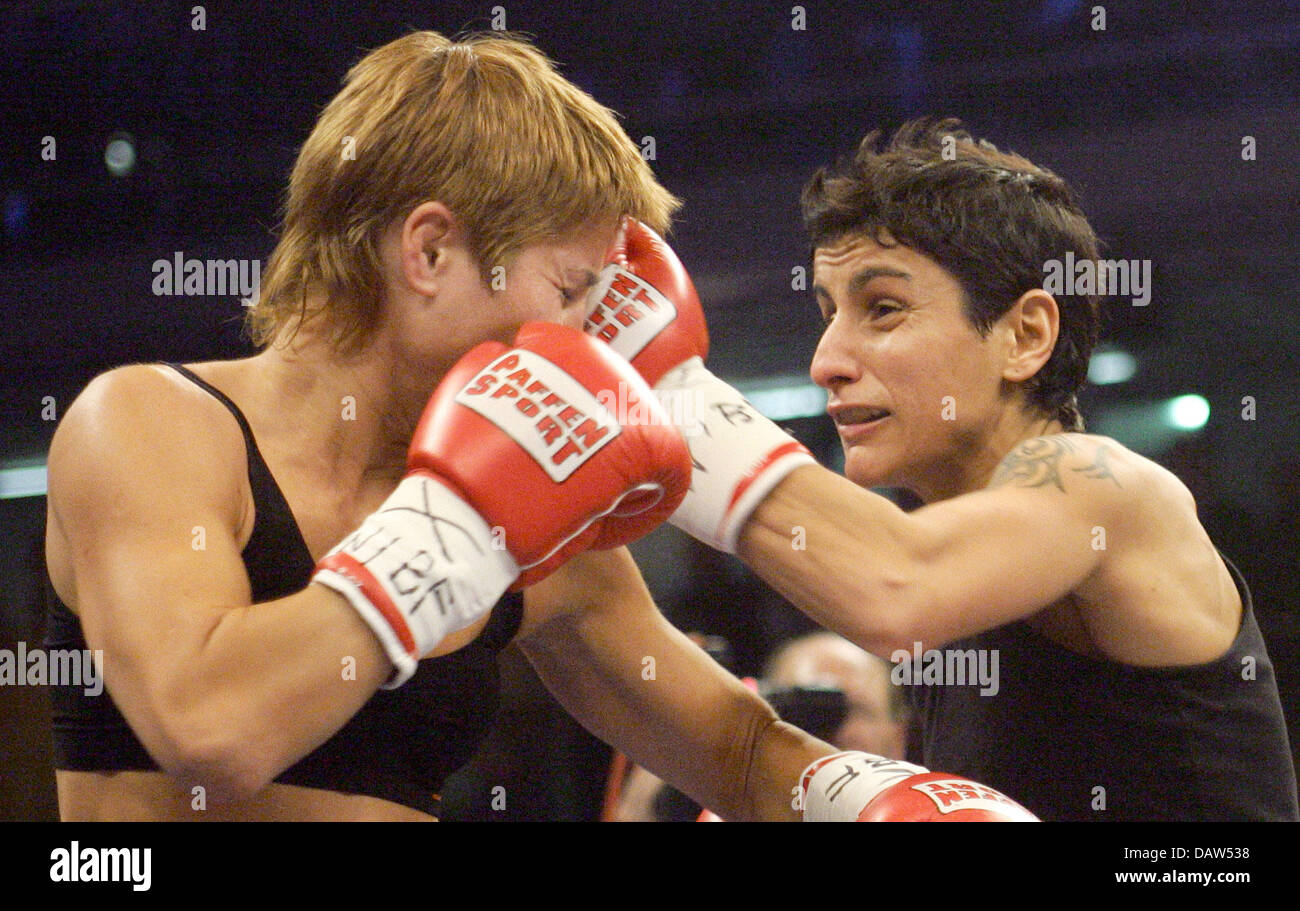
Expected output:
(604, 650)
(1067, 513)
(145, 509)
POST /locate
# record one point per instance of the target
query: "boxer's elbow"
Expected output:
(908, 593)
(219, 770)
(749, 797)
(202, 749)
(883, 610)
(779, 755)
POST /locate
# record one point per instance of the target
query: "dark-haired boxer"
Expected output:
(1131, 678)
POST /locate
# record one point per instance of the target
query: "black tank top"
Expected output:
(1079, 739)
(399, 747)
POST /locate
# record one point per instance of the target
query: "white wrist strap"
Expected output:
(739, 454)
(837, 788)
(424, 565)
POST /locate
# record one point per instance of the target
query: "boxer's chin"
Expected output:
(866, 467)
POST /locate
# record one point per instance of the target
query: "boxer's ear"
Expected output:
(1029, 331)
(426, 234)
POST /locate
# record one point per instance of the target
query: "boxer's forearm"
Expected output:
(656, 697)
(845, 556)
(781, 752)
(609, 657)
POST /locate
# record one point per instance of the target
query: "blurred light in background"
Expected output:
(784, 398)
(119, 154)
(909, 45)
(17, 214)
(1151, 428)
(1187, 412)
(22, 481)
(1111, 365)
(1055, 14)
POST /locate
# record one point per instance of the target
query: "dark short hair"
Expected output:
(993, 219)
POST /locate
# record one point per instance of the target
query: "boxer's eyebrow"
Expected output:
(585, 277)
(871, 273)
(860, 280)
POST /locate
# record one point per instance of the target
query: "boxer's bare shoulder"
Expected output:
(1053, 460)
(1100, 480)
(131, 405)
(1160, 594)
(140, 441)
(1072, 462)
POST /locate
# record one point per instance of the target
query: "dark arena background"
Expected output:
(135, 132)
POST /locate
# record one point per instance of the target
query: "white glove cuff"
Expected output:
(423, 566)
(756, 485)
(837, 788)
(739, 454)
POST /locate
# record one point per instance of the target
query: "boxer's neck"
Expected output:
(973, 468)
(351, 413)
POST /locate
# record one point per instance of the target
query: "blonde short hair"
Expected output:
(484, 125)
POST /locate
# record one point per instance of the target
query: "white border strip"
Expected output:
(27, 481)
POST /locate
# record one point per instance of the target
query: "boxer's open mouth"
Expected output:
(859, 414)
(855, 420)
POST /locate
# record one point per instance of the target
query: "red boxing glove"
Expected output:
(859, 787)
(531, 438)
(645, 307)
(516, 465)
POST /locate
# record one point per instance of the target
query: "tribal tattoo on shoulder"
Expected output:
(1100, 467)
(1034, 463)
(1037, 463)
